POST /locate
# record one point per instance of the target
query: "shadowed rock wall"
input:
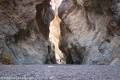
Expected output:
(21, 42)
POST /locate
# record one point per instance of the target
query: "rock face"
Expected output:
(86, 31)
(54, 37)
(21, 42)
(90, 31)
(54, 34)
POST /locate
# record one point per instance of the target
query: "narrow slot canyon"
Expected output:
(54, 37)
(59, 32)
(55, 33)
(51, 32)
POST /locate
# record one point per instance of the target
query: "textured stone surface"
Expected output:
(20, 40)
(54, 35)
(90, 31)
(61, 72)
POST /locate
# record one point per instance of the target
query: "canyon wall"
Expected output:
(59, 31)
(90, 31)
(21, 41)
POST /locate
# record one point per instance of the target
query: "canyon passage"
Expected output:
(59, 32)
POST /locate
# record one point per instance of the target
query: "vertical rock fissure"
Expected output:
(55, 33)
(49, 25)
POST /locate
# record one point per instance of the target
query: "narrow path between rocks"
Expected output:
(55, 33)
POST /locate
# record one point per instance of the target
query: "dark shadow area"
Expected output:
(44, 16)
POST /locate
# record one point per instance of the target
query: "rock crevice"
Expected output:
(62, 31)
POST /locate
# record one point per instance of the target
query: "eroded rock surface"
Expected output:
(54, 34)
(21, 42)
(90, 31)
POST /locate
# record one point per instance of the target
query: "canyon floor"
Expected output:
(60, 72)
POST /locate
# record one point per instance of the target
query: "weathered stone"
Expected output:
(20, 41)
(87, 31)
(92, 25)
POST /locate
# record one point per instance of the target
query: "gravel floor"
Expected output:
(59, 72)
